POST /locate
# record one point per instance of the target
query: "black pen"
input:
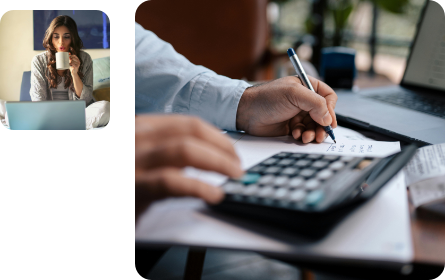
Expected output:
(304, 79)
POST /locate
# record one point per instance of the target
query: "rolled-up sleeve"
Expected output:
(87, 80)
(39, 82)
(167, 82)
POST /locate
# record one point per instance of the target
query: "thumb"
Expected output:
(314, 104)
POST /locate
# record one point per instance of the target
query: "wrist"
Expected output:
(242, 113)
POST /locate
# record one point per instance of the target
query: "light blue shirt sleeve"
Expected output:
(166, 82)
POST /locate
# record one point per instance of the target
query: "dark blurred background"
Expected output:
(249, 38)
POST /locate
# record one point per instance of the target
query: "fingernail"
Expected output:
(218, 195)
(327, 119)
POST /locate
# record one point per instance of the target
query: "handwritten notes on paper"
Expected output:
(248, 148)
(358, 148)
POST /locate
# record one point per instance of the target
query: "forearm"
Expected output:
(78, 85)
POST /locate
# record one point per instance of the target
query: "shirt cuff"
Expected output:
(215, 98)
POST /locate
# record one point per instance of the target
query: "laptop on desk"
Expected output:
(47, 115)
(415, 109)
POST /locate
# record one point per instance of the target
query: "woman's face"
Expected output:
(61, 39)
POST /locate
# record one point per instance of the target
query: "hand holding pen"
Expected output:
(286, 107)
(306, 82)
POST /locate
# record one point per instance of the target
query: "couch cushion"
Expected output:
(97, 114)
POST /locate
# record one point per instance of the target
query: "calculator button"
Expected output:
(285, 162)
(289, 171)
(296, 182)
(307, 172)
(270, 161)
(251, 190)
(272, 170)
(233, 187)
(312, 184)
(330, 158)
(315, 197)
(297, 156)
(297, 195)
(250, 178)
(281, 193)
(314, 156)
(266, 191)
(325, 174)
(281, 181)
(257, 169)
(346, 159)
(302, 163)
(282, 155)
(337, 165)
(266, 180)
(319, 164)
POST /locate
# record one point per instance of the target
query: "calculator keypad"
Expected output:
(287, 179)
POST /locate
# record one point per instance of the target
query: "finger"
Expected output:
(312, 103)
(298, 130)
(296, 125)
(333, 115)
(320, 134)
(174, 126)
(189, 151)
(309, 133)
(165, 182)
(329, 94)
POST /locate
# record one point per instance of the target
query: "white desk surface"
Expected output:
(378, 230)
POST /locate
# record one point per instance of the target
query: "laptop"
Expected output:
(47, 115)
(413, 111)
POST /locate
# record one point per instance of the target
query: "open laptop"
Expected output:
(47, 115)
(414, 110)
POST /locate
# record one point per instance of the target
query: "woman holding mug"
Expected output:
(75, 83)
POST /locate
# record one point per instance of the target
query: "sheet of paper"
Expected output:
(428, 162)
(379, 230)
(344, 133)
(427, 190)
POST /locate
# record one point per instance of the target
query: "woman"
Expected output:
(48, 83)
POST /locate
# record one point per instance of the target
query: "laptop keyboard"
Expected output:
(414, 101)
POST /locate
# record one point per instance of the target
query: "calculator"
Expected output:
(308, 193)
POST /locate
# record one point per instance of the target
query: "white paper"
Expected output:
(379, 230)
(427, 191)
(343, 133)
(428, 162)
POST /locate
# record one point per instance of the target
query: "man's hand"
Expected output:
(286, 107)
(166, 144)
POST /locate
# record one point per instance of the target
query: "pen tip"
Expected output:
(335, 142)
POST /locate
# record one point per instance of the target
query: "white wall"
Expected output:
(16, 52)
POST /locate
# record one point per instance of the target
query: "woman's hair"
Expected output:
(75, 46)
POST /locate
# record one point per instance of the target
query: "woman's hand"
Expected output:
(166, 144)
(74, 64)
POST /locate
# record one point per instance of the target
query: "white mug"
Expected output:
(62, 61)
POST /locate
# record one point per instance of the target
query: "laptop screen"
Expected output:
(426, 65)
